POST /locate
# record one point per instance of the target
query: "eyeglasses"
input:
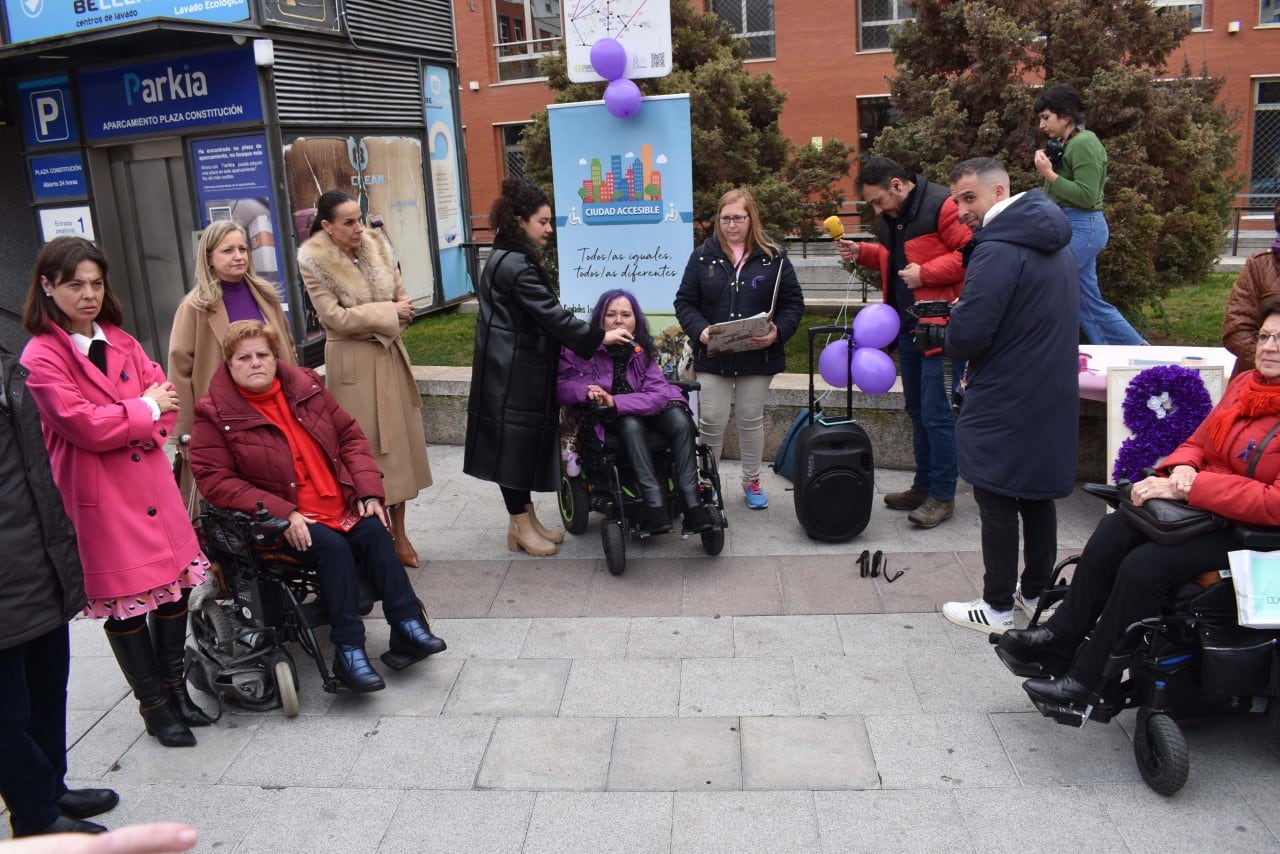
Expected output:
(736, 219)
(1262, 339)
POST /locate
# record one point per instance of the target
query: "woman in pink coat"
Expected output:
(107, 410)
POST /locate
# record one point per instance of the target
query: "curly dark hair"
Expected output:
(1063, 101)
(520, 200)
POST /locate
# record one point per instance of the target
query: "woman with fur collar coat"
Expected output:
(361, 301)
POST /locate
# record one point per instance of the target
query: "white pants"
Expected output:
(746, 395)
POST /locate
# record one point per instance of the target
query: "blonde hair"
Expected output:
(208, 289)
(243, 330)
(755, 234)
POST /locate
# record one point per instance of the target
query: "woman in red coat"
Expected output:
(271, 434)
(107, 410)
(1122, 577)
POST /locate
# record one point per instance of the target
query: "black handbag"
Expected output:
(1168, 522)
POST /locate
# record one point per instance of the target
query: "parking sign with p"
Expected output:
(47, 116)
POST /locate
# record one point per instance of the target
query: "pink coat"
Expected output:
(109, 463)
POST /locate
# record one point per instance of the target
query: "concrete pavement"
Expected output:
(768, 700)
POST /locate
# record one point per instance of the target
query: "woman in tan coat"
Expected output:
(361, 301)
(1259, 278)
(227, 289)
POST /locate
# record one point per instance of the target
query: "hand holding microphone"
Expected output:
(847, 248)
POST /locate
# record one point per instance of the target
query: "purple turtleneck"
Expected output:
(240, 302)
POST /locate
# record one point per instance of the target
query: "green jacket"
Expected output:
(1083, 173)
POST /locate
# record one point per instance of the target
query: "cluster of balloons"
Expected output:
(870, 368)
(621, 96)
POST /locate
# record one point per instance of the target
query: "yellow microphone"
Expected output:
(834, 227)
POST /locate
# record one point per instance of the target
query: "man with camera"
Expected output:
(918, 258)
(1015, 324)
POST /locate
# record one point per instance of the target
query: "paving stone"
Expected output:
(612, 688)
(785, 637)
(482, 638)
(1225, 748)
(459, 588)
(1044, 752)
(1262, 794)
(310, 820)
(1205, 816)
(681, 637)
(650, 587)
(854, 685)
(744, 823)
(807, 753)
(947, 682)
(421, 753)
(217, 746)
(548, 754)
(522, 687)
(580, 637)
(1067, 819)
(892, 636)
(634, 822)
(827, 584)
(914, 821)
(95, 684)
(938, 751)
(454, 822)
(220, 814)
(544, 587)
(731, 687)
(747, 586)
(283, 751)
(676, 754)
(419, 689)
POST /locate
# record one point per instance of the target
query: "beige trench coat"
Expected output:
(366, 365)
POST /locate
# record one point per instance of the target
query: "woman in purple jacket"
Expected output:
(627, 381)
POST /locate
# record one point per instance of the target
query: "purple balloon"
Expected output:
(622, 97)
(609, 58)
(876, 326)
(873, 369)
(833, 363)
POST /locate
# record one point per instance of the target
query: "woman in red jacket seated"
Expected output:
(1122, 577)
(271, 433)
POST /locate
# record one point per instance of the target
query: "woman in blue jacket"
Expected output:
(731, 276)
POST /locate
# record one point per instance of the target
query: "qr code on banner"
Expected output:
(658, 60)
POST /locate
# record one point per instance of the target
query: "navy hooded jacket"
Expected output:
(1017, 324)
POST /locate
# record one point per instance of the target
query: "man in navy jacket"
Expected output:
(1015, 324)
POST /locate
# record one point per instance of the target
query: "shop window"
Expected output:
(1264, 167)
(518, 54)
(513, 151)
(875, 113)
(877, 19)
(751, 21)
(1269, 12)
(1193, 11)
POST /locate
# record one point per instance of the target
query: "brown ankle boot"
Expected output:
(521, 534)
(405, 551)
(544, 532)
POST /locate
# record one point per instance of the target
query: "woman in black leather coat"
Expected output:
(512, 415)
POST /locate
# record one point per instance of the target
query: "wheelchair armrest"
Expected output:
(1257, 537)
(1108, 492)
(687, 386)
(265, 530)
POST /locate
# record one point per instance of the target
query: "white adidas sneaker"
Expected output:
(978, 615)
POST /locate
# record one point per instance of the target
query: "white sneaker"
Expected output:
(978, 615)
(1028, 606)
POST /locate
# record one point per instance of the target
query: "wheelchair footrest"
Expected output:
(1025, 669)
(399, 660)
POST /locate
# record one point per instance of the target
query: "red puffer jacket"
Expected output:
(240, 458)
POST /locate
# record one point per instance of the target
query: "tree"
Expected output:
(736, 139)
(967, 78)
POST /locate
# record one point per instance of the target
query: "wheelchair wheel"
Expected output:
(713, 540)
(575, 504)
(1161, 751)
(615, 545)
(286, 685)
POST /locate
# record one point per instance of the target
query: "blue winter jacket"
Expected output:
(1016, 324)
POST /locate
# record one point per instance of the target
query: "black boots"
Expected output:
(169, 639)
(137, 660)
(413, 638)
(351, 666)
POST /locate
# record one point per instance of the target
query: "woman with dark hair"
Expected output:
(107, 411)
(627, 380)
(355, 287)
(513, 435)
(1074, 167)
(733, 275)
(1260, 278)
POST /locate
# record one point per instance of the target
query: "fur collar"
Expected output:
(373, 279)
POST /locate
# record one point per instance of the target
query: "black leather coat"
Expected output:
(512, 415)
(41, 581)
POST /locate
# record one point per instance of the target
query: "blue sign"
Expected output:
(192, 92)
(446, 183)
(47, 117)
(42, 19)
(58, 176)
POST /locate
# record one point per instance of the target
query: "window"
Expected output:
(875, 113)
(512, 151)
(1269, 12)
(1193, 11)
(877, 19)
(1264, 168)
(751, 21)
(518, 54)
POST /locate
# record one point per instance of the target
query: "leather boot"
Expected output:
(169, 640)
(521, 534)
(137, 661)
(405, 551)
(547, 534)
(413, 638)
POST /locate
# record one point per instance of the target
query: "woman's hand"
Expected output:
(165, 396)
(705, 337)
(1044, 167)
(760, 342)
(617, 335)
(373, 507)
(597, 394)
(298, 535)
(404, 311)
(1155, 487)
(1182, 477)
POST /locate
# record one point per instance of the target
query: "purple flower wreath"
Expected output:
(1162, 407)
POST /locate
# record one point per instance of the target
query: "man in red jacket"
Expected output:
(918, 258)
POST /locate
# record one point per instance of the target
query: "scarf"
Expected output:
(319, 498)
(1256, 398)
(621, 356)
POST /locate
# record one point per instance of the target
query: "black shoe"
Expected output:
(169, 639)
(162, 722)
(698, 519)
(137, 660)
(63, 824)
(656, 520)
(351, 665)
(413, 638)
(1064, 691)
(86, 803)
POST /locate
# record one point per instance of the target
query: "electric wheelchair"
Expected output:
(270, 600)
(1191, 661)
(606, 484)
